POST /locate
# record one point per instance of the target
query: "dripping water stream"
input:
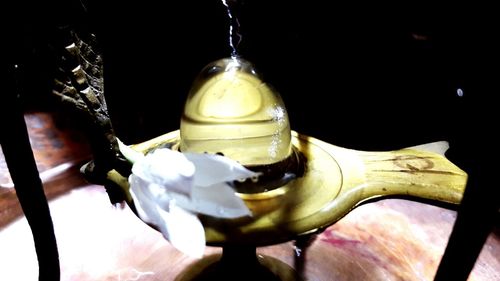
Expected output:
(300, 251)
(234, 26)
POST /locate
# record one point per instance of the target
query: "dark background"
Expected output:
(367, 77)
(361, 76)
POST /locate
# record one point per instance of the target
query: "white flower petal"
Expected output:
(183, 229)
(144, 202)
(166, 168)
(212, 169)
(169, 189)
(218, 200)
(151, 193)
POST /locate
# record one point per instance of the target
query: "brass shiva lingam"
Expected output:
(305, 185)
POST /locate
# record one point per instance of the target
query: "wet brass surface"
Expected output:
(336, 180)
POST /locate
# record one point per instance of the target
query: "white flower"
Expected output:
(170, 188)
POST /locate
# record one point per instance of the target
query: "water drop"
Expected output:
(297, 250)
(254, 179)
(221, 211)
(300, 250)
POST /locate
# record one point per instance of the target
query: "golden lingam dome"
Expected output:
(230, 110)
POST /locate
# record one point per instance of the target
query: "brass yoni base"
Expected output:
(335, 181)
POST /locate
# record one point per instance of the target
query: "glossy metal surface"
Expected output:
(336, 181)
